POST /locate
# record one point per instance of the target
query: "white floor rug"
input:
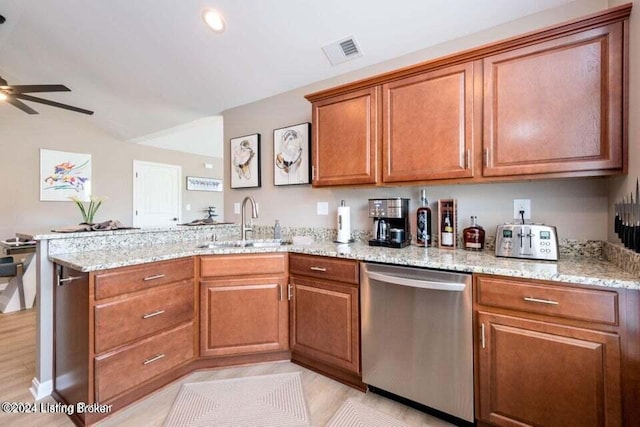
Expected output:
(355, 414)
(268, 400)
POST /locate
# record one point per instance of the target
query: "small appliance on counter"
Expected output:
(390, 222)
(532, 241)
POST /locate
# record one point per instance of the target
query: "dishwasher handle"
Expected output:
(423, 284)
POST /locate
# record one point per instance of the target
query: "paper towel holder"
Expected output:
(344, 224)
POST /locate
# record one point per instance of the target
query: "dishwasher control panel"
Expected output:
(532, 241)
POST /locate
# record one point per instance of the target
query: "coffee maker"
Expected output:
(390, 222)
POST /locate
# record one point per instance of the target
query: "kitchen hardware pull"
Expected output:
(541, 301)
(153, 358)
(314, 268)
(289, 291)
(155, 313)
(279, 292)
(482, 335)
(157, 276)
(424, 284)
(486, 157)
(467, 157)
(313, 172)
(68, 280)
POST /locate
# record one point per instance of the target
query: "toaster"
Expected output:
(532, 241)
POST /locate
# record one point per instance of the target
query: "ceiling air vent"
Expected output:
(342, 50)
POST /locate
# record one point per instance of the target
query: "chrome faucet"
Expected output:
(254, 214)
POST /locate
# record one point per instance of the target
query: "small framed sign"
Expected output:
(196, 183)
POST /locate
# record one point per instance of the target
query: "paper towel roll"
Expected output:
(344, 224)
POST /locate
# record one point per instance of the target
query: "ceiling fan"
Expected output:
(14, 94)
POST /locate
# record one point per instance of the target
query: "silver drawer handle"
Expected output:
(155, 313)
(157, 276)
(318, 268)
(541, 301)
(68, 280)
(153, 359)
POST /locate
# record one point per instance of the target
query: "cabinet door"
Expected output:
(429, 125)
(243, 316)
(555, 106)
(325, 322)
(345, 139)
(542, 374)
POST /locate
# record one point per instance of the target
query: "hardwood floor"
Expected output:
(323, 395)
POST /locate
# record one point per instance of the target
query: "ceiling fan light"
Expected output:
(214, 20)
(3, 96)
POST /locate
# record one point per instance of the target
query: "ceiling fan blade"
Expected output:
(21, 105)
(3, 82)
(52, 103)
(38, 88)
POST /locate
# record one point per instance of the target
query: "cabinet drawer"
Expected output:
(126, 320)
(571, 303)
(130, 279)
(342, 270)
(242, 265)
(120, 371)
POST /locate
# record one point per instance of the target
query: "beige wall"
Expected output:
(624, 185)
(578, 207)
(22, 136)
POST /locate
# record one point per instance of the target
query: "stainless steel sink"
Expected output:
(241, 244)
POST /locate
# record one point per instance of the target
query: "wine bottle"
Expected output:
(446, 229)
(473, 236)
(423, 217)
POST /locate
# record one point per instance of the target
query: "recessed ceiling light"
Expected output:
(214, 20)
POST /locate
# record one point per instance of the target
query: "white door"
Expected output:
(156, 194)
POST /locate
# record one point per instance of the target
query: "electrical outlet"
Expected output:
(323, 208)
(188, 207)
(236, 208)
(521, 205)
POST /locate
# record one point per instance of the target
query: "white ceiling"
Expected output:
(145, 66)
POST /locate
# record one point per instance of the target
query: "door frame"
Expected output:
(136, 163)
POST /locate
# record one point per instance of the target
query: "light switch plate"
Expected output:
(323, 208)
(188, 207)
(236, 208)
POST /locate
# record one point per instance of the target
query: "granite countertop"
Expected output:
(580, 270)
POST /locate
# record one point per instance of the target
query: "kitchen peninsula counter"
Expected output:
(569, 269)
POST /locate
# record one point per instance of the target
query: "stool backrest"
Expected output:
(6, 260)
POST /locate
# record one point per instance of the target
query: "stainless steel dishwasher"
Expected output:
(416, 336)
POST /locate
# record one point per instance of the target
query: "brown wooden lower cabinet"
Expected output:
(548, 354)
(243, 316)
(325, 317)
(114, 347)
(542, 374)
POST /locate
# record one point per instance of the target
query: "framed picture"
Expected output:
(292, 155)
(245, 161)
(64, 175)
(196, 183)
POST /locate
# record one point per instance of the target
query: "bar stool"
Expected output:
(9, 268)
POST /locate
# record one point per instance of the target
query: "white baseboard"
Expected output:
(41, 390)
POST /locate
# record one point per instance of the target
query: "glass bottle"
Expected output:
(277, 231)
(446, 229)
(473, 236)
(423, 217)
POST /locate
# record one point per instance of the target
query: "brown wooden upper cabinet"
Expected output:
(555, 106)
(428, 125)
(346, 139)
(551, 103)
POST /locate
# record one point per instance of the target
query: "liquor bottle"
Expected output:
(446, 229)
(473, 236)
(423, 217)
